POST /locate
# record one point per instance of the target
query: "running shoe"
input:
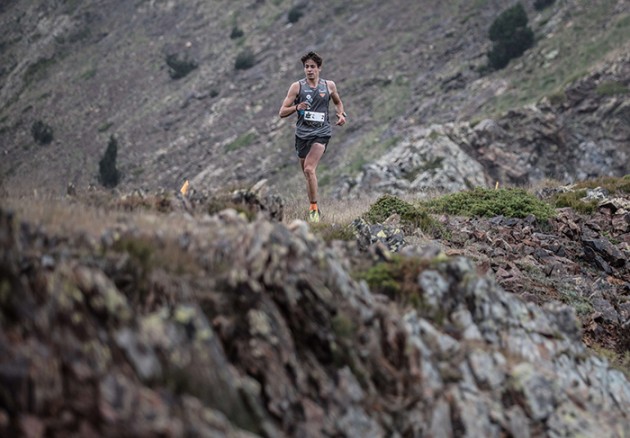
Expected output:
(313, 216)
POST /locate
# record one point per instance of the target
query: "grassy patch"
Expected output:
(371, 146)
(217, 204)
(432, 164)
(343, 327)
(105, 126)
(357, 163)
(612, 88)
(623, 22)
(329, 232)
(396, 278)
(241, 141)
(574, 200)
(140, 249)
(44, 96)
(159, 203)
(574, 299)
(619, 361)
(88, 74)
(38, 70)
(390, 99)
(610, 183)
(489, 203)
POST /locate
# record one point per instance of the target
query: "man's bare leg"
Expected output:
(309, 166)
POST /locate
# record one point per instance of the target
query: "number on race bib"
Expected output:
(314, 116)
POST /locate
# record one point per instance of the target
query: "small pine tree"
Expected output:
(245, 60)
(42, 132)
(539, 5)
(108, 174)
(179, 67)
(511, 36)
(236, 32)
(295, 14)
(512, 18)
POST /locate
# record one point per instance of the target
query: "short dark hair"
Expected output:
(314, 56)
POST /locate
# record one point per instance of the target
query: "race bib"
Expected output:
(314, 116)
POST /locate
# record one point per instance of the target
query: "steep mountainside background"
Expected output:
(411, 75)
(218, 312)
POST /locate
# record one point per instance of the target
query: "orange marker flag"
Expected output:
(184, 189)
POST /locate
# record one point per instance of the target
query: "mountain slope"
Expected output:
(99, 69)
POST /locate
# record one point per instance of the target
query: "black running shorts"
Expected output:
(303, 147)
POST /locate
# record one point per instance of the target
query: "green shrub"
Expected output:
(178, 68)
(295, 13)
(387, 205)
(42, 132)
(557, 98)
(503, 26)
(382, 279)
(236, 32)
(245, 60)
(539, 5)
(411, 217)
(489, 203)
(109, 175)
(511, 36)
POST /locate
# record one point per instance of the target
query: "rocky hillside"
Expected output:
(144, 315)
(575, 134)
(161, 77)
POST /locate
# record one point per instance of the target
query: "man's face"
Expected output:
(311, 69)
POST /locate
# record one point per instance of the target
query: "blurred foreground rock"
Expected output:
(226, 328)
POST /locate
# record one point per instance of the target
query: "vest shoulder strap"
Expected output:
(297, 98)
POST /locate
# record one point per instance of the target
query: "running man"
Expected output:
(309, 98)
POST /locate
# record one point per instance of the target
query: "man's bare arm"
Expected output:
(334, 94)
(288, 107)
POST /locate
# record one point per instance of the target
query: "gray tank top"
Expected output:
(313, 122)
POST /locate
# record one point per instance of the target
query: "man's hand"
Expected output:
(341, 119)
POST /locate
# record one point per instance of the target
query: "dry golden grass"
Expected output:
(94, 212)
(334, 211)
(60, 214)
(65, 215)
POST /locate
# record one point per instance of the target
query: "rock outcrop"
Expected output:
(581, 133)
(225, 327)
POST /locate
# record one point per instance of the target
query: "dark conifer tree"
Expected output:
(109, 175)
